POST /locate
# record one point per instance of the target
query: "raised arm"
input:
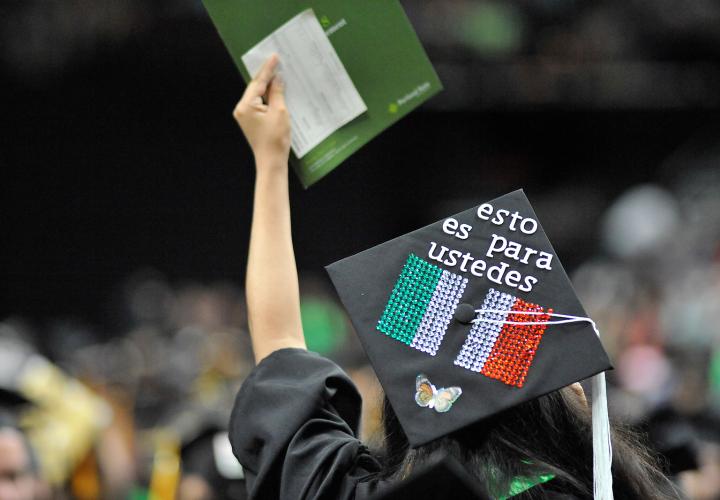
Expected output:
(273, 296)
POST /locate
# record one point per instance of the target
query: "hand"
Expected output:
(266, 125)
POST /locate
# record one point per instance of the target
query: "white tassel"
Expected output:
(602, 445)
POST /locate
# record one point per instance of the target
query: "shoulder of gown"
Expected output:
(294, 429)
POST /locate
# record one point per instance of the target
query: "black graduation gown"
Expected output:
(294, 430)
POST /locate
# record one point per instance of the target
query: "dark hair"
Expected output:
(548, 435)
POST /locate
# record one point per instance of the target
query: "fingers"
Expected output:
(268, 68)
(265, 84)
(276, 93)
(258, 104)
(259, 85)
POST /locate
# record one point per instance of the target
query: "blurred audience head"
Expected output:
(17, 470)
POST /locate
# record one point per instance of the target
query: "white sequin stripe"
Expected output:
(483, 335)
(439, 312)
(470, 353)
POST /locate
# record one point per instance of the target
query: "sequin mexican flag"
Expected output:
(499, 345)
(421, 305)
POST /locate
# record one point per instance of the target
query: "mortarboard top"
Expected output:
(412, 301)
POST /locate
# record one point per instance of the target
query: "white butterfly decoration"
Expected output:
(427, 395)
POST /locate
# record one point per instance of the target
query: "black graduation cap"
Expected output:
(468, 317)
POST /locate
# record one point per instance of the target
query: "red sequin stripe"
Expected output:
(516, 345)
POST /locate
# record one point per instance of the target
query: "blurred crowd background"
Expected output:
(126, 200)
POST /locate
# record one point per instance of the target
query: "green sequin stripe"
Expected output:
(409, 299)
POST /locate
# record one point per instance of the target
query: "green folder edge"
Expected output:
(378, 47)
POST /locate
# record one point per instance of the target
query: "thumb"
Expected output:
(276, 93)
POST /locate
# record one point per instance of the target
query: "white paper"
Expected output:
(319, 94)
